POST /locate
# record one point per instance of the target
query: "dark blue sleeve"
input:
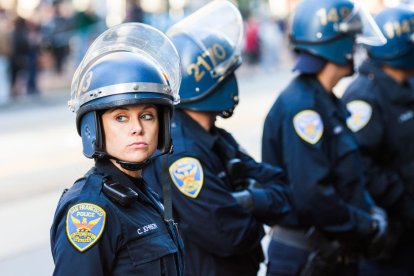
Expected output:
(271, 202)
(313, 194)
(384, 184)
(271, 152)
(213, 220)
(309, 174)
(96, 260)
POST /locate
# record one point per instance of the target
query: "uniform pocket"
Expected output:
(345, 144)
(151, 249)
(285, 260)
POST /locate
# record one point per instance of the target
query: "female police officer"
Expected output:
(305, 133)
(109, 222)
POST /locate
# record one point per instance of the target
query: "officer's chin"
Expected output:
(348, 69)
(351, 72)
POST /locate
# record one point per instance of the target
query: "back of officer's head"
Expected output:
(397, 24)
(327, 31)
(209, 44)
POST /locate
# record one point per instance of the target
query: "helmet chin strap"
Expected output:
(136, 166)
(133, 166)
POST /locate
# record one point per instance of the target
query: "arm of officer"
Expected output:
(389, 191)
(206, 213)
(271, 198)
(265, 193)
(78, 254)
(384, 184)
(310, 171)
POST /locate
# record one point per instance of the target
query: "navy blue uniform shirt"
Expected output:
(220, 237)
(94, 235)
(305, 134)
(383, 121)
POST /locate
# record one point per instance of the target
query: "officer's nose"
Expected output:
(136, 127)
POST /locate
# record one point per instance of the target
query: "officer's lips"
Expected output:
(138, 145)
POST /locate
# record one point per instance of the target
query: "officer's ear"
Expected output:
(92, 134)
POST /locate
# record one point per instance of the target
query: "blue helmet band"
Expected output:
(222, 100)
(213, 88)
(309, 42)
(391, 58)
(133, 87)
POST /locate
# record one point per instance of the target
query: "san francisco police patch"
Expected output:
(187, 175)
(85, 223)
(308, 125)
(360, 115)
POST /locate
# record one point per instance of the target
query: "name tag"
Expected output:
(147, 228)
(406, 116)
(337, 129)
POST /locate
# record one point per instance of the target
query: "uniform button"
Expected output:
(374, 225)
(371, 76)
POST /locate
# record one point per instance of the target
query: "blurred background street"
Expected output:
(41, 43)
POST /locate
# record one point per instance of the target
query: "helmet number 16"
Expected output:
(215, 54)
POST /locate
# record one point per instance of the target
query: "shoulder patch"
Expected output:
(85, 223)
(187, 174)
(360, 115)
(308, 125)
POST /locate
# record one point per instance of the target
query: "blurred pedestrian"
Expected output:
(85, 27)
(381, 101)
(305, 133)
(110, 222)
(5, 49)
(135, 13)
(271, 44)
(19, 58)
(32, 70)
(252, 42)
(59, 32)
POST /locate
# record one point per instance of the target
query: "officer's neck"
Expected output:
(134, 174)
(331, 74)
(399, 75)
(205, 119)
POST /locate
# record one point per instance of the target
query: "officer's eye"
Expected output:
(147, 116)
(121, 118)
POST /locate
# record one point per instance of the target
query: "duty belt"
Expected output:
(307, 239)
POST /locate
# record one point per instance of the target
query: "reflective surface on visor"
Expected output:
(360, 22)
(219, 17)
(134, 38)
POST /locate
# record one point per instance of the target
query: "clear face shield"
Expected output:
(221, 18)
(136, 38)
(359, 21)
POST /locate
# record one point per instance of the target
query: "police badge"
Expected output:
(187, 175)
(308, 125)
(85, 223)
(360, 115)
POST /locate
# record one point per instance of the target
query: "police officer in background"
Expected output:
(305, 133)
(381, 101)
(221, 196)
(109, 222)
